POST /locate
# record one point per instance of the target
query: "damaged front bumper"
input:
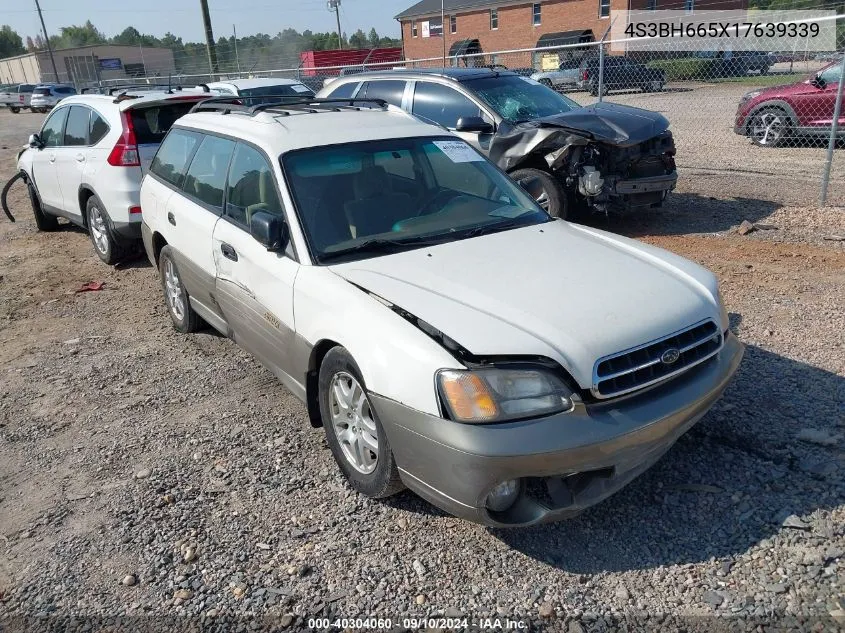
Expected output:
(564, 463)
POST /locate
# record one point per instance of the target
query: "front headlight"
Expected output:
(748, 96)
(723, 314)
(500, 394)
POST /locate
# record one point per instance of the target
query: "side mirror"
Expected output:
(35, 141)
(269, 230)
(532, 186)
(818, 82)
(473, 124)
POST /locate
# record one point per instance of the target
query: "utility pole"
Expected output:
(237, 57)
(334, 5)
(443, 30)
(209, 38)
(47, 41)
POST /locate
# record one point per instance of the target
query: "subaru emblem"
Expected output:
(670, 356)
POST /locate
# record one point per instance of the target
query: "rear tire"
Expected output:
(43, 221)
(547, 83)
(553, 199)
(352, 428)
(15, 109)
(176, 298)
(107, 245)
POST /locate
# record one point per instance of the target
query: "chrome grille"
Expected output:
(642, 366)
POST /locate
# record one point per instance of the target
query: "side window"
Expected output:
(390, 91)
(171, 160)
(206, 177)
(442, 104)
(98, 128)
(832, 74)
(344, 92)
(76, 130)
(251, 186)
(51, 133)
(397, 163)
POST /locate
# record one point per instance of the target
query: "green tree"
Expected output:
(374, 39)
(71, 36)
(358, 39)
(10, 42)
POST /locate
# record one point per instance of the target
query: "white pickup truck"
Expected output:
(16, 96)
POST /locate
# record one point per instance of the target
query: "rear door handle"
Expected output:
(52, 158)
(80, 158)
(170, 218)
(228, 252)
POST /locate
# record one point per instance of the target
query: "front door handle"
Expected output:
(80, 158)
(170, 218)
(228, 252)
(52, 158)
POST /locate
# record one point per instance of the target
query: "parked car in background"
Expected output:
(345, 72)
(260, 90)
(566, 77)
(727, 63)
(604, 156)
(46, 96)
(16, 97)
(620, 73)
(775, 116)
(446, 333)
(87, 161)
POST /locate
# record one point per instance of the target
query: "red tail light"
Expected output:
(134, 210)
(585, 75)
(125, 151)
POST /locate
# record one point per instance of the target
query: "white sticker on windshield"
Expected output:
(299, 88)
(458, 151)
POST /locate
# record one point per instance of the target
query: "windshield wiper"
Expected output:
(492, 228)
(381, 246)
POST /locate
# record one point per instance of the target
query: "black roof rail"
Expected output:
(166, 87)
(204, 87)
(296, 104)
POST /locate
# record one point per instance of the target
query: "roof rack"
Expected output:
(124, 89)
(226, 105)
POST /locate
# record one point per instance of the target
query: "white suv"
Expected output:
(445, 331)
(47, 96)
(87, 162)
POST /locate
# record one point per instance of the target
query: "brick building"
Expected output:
(515, 24)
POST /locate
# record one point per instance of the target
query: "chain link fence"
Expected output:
(749, 125)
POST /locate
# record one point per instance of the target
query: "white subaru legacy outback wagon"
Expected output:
(447, 333)
(87, 161)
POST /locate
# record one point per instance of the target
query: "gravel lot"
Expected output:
(150, 474)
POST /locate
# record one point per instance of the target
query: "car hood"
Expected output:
(554, 290)
(610, 123)
(801, 87)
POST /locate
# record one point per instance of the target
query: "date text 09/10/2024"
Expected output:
(416, 623)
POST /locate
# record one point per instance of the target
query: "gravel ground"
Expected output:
(171, 480)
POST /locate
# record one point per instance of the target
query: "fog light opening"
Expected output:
(503, 495)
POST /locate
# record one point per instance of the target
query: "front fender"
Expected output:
(396, 359)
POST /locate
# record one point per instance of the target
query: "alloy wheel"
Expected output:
(98, 229)
(353, 422)
(768, 128)
(173, 290)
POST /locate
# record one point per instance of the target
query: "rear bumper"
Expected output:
(566, 462)
(129, 231)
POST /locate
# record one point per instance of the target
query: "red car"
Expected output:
(774, 116)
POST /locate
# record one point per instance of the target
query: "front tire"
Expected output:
(107, 245)
(176, 298)
(553, 199)
(43, 221)
(15, 109)
(353, 431)
(769, 127)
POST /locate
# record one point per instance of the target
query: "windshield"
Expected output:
(520, 98)
(259, 95)
(364, 199)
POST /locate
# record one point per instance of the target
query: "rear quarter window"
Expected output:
(153, 123)
(171, 160)
(344, 92)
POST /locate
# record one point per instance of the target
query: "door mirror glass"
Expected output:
(35, 140)
(818, 81)
(269, 230)
(473, 124)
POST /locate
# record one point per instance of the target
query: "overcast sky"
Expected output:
(183, 18)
